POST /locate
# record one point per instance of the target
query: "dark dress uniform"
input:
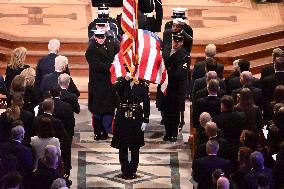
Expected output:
(101, 96)
(128, 121)
(146, 19)
(176, 65)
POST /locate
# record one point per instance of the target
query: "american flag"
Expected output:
(150, 64)
(128, 24)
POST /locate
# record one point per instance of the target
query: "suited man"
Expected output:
(246, 80)
(236, 72)
(201, 83)
(258, 168)
(269, 69)
(234, 83)
(59, 130)
(199, 68)
(203, 168)
(61, 63)
(211, 131)
(270, 82)
(22, 153)
(231, 123)
(45, 65)
(210, 104)
(65, 95)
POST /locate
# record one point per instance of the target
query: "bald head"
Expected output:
(64, 80)
(61, 62)
(211, 129)
(53, 46)
(204, 118)
(223, 183)
(246, 78)
(50, 149)
(210, 50)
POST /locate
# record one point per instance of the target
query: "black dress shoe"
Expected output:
(173, 139)
(125, 176)
(133, 176)
(104, 136)
(166, 138)
(97, 137)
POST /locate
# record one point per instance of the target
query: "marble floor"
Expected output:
(162, 164)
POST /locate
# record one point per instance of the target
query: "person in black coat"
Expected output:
(65, 96)
(100, 54)
(146, 19)
(210, 104)
(232, 124)
(59, 130)
(203, 168)
(16, 65)
(199, 68)
(269, 69)
(22, 153)
(61, 63)
(212, 132)
(246, 79)
(176, 61)
(201, 83)
(46, 64)
(269, 83)
(131, 120)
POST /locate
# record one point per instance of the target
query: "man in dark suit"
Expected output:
(210, 104)
(199, 68)
(231, 123)
(270, 82)
(211, 131)
(234, 83)
(65, 95)
(269, 70)
(236, 72)
(203, 168)
(22, 153)
(44, 176)
(201, 83)
(59, 130)
(64, 113)
(61, 63)
(246, 80)
(3, 89)
(258, 168)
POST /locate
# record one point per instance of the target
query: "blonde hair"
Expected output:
(29, 74)
(13, 113)
(18, 58)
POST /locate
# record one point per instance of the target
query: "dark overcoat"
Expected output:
(127, 130)
(176, 65)
(101, 94)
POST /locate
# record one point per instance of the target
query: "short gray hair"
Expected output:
(53, 45)
(58, 183)
(60, 63)
(212, 146)
(210, 50)
(17, 132)
(64, 79)
(204, 118)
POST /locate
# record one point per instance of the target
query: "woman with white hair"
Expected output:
(16, 65)
(33, 95)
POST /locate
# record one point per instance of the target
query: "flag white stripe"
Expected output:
(127, 20)
(128, 6)
(151, 59)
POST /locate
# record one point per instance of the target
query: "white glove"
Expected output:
(143, 127)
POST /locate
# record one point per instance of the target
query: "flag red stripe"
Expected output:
(144, 58)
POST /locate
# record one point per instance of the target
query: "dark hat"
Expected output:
(103, 13)
(103, 6)
(178, 37)
(179, 12)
